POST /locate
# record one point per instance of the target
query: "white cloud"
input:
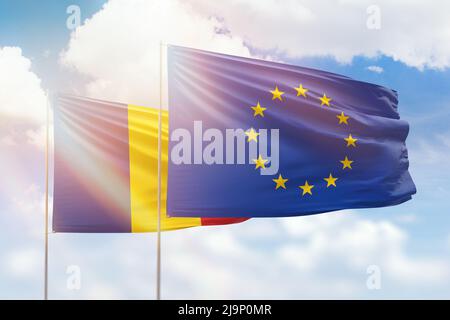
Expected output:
(30, 202)
(323, 256)
(23, 105)
(28, 208)
(17, 133)
(23, 262)
(37, 137)
(339, 29)
(376, 69)
(119, 47)
(359, 242)
(8, 140)
(21, 95)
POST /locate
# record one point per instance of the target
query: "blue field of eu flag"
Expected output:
(251, 138)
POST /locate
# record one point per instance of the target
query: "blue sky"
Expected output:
(270, 258)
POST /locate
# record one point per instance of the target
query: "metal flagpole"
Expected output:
(158, 237)
(46, 199)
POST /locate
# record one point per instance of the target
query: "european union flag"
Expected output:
(251, 138)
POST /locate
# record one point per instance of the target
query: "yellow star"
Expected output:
(331, 181)
(252, 135)
(301, 91)
(325, 100)
(258, 110)
(350, 141)
(306, 188)
(260, 162)
(277, 94)
(343, 118)
(280, 182)
(346, 163)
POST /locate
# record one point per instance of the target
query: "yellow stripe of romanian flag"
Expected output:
(143, 153)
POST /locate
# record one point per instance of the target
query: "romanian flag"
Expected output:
(106, 169)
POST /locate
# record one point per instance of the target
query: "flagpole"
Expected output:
(158, 236)
(46, 198)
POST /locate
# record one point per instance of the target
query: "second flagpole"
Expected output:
(158, 236)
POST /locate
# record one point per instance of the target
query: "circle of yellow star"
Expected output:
(301, 91)
(342, 118)
(277, 94)
(331, 181)
(252, 135)
(260, 162)
(346, 163)
(325, 100)
(259, 111)
(280, 181)
(350, 141)
(306, 188)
